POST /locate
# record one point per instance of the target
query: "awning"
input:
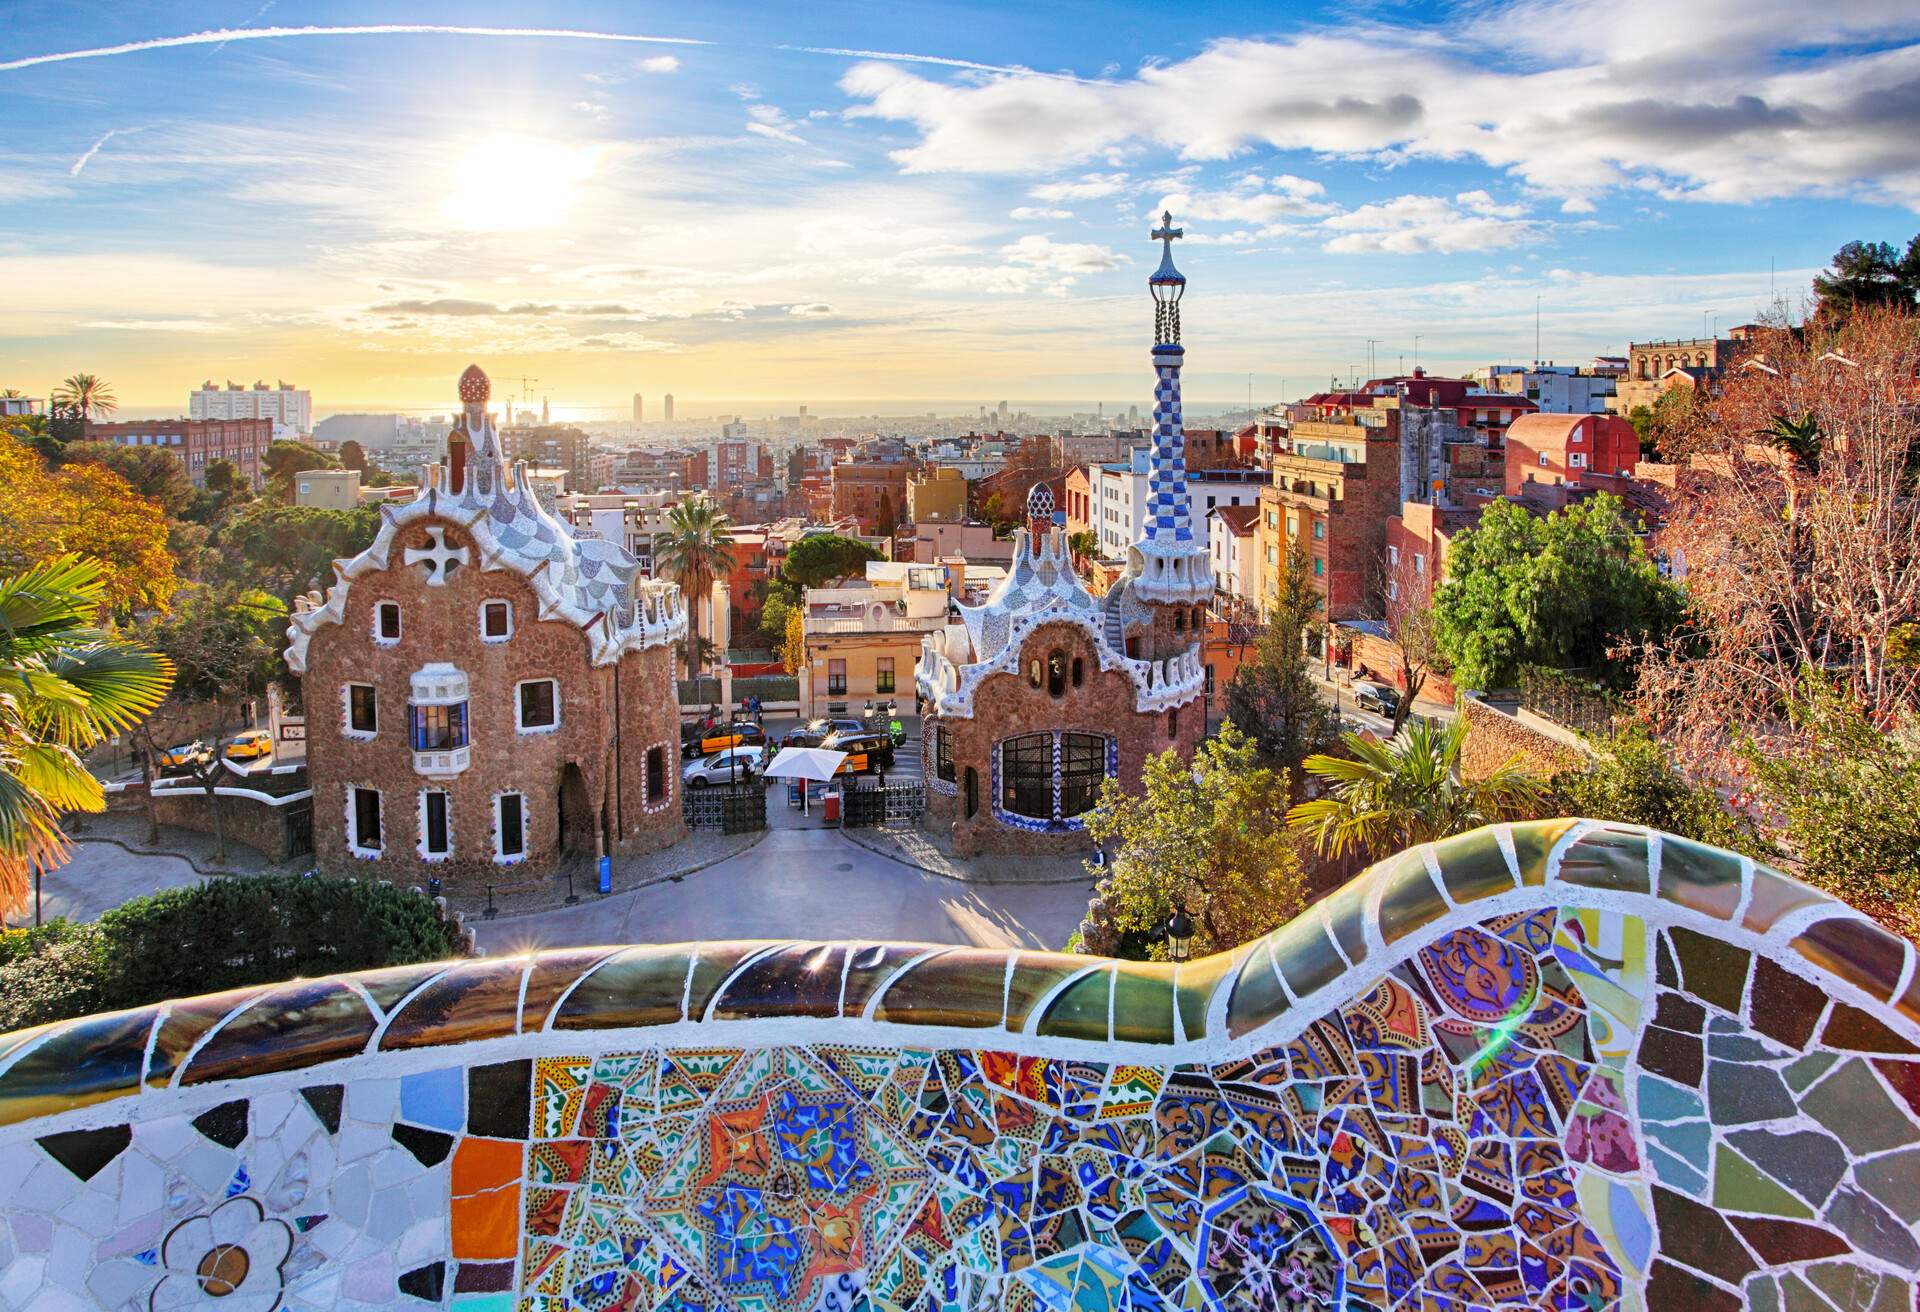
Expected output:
(816, 763)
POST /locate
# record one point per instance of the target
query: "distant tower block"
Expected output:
(669, 407)
(543, 409)
(639, 409)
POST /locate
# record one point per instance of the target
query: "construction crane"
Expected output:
(526, 388)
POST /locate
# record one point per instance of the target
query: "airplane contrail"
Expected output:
(92, 150)
(900, 57)
(224, 34)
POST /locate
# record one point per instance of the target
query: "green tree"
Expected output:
(88, 395)
(64, 687)
(1207, 836)
(1564, 592)
(885, 520)
(222, 475)
(1408, 790)
(1843, 800)
(353, 455)
(1864, 274)
(1633, 779)
(773, 619)
(150, 471)
(694, 548)
(793, 645)
(1085, 544)
(818, 560)
(285, 461)
(1272, 697)
(286, 550)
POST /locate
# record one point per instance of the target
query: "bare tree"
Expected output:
(1795, 522)
(1408, 603)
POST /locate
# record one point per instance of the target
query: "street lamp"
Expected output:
(1179, 935)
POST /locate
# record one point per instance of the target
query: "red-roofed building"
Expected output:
(1549, 456)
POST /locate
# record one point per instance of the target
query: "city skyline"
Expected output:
(657, 201)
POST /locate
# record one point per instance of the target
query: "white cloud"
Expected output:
(1252, 199)
(816, 310)
(768, 121)
(1722, 102)
(658, 64)
(1088, 186)
(1416, 225)
(1042, 252)
(1031, 213)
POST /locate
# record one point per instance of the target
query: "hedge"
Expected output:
(221, 934)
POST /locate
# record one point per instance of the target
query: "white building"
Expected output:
(1556, 389)
(1119, 493)
(1233, 546)
(290, 408)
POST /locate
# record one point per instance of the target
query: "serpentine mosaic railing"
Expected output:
(1561, 1064)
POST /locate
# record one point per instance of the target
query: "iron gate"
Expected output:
(892, 804)
(298, 817)
(730, 808)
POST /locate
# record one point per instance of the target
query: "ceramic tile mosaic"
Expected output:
(1555, 1065)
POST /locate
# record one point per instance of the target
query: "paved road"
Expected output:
(806, 884)
(100, 877)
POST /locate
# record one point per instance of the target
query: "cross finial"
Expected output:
(1166, 232)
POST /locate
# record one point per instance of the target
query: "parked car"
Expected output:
(814, 733)
(185, 756)
(741, 733)
(734, 765)
(252, 745)
(1376, 697)
(866, 751)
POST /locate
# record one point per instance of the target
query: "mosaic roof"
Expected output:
(590, 582)
(1560, 1064)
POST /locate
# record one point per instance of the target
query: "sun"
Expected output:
(511, 183)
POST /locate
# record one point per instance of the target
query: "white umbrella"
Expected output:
(813, 764)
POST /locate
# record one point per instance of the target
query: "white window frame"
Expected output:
(353, 823)
(1577, 459)
(501, 858)
(380, 606)
(1393, 554)
(346, 713)
(421, 846)
(495, 638)
(518, 706)
(669, 760)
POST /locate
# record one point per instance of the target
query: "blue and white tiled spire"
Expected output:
(1168, 562)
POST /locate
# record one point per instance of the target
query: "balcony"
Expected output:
(437, 721)
(442, 763)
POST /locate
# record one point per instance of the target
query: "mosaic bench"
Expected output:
(1562, 1064)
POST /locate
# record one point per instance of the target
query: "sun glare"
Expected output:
(508, 183)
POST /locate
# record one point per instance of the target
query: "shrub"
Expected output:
(222, 934)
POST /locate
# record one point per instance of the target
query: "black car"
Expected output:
(1376, 697)
(866, 750)
(814, 733)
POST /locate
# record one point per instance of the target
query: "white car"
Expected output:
(734, 764)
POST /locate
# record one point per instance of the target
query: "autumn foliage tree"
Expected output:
(87, 510)
(1796, 519)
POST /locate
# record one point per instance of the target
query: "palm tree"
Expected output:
(694, 549)
(87, 395)
(11, 394)
(64, 686)
(1406, 791)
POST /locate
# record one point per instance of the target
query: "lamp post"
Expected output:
(1179, 935)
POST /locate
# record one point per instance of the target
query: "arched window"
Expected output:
(1079, 671)
(1083, 766)
(1033, 673)
(1173, 724)
(1179, 620)
(1026, 775)
(1056, 672)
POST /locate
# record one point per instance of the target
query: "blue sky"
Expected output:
(831, 202)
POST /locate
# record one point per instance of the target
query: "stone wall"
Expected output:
(248, 821)
(1559, 1064)
(1493, 736)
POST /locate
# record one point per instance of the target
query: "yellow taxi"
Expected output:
(185, 754)
(250, 746)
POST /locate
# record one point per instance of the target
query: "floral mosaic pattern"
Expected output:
(1598, 1106)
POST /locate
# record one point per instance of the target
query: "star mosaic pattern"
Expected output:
(1561, 1064)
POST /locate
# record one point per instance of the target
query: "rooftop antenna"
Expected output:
(1416, 349)
(1536, 331)
(1703, 321)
